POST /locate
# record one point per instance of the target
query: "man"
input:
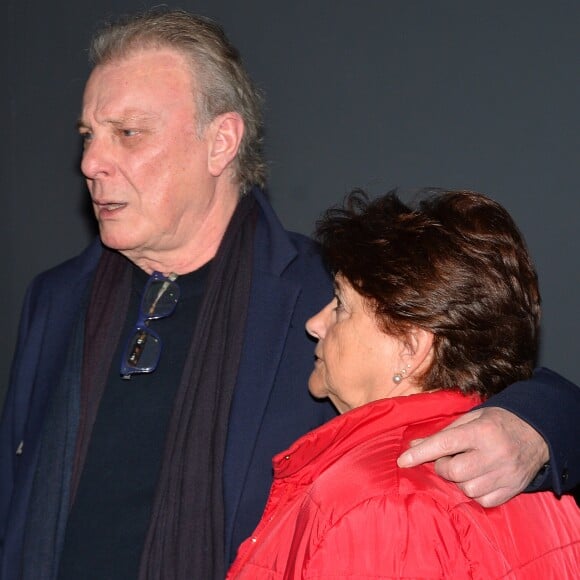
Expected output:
(157, 373)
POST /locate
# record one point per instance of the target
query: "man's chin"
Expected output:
(117, 243)
(115, 236)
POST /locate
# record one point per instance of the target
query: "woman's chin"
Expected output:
(316, 388)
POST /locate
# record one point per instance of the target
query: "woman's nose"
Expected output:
(316, 326)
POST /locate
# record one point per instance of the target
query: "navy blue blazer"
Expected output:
(271, 406)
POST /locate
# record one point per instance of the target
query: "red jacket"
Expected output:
(340, 507)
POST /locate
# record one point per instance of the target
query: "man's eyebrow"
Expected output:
(128, 117)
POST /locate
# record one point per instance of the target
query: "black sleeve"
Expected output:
(550, 404)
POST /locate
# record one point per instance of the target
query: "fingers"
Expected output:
(470, 472)
(488, 492)
(489, 487)
(430, 449)
(451, 470)
(490, 454)
(496, 497)
(469, 475)
(450, 441)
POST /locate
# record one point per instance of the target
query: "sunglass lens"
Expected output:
(143, 352)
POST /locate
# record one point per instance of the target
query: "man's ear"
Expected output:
(224, 137)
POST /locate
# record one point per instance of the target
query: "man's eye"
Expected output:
(129, 132)
(86, 137)
(339, 305)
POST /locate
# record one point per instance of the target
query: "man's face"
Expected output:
(145, 165)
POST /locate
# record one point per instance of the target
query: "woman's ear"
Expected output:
(417, 352)
(224, 138)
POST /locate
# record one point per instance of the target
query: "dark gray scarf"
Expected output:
(185, 539)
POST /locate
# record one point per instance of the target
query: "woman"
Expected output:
(435, 309)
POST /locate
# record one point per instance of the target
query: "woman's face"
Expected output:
(355, 360)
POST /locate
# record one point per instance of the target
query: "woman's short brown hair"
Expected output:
(456, 265)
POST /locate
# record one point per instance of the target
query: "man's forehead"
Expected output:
(136, 86)
(140, 70)
(151, 57)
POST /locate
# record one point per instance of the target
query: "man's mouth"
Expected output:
(109, 207)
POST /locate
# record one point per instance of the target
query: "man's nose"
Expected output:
(97, 160)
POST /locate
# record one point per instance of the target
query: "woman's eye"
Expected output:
(338, 307)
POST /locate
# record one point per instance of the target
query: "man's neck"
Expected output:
(197, 249)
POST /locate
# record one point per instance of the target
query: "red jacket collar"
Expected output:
(333, 439)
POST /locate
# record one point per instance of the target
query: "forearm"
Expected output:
(551, 405)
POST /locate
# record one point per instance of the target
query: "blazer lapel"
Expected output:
(272, 302)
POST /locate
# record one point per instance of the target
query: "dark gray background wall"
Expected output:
(378, 94)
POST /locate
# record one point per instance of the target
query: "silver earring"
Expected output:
(398, 377)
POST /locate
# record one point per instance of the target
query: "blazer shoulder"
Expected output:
(308, 259)
(72, 269)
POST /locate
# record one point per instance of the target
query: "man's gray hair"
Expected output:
(223, 83)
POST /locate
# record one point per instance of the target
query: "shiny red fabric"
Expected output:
(340, 507)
